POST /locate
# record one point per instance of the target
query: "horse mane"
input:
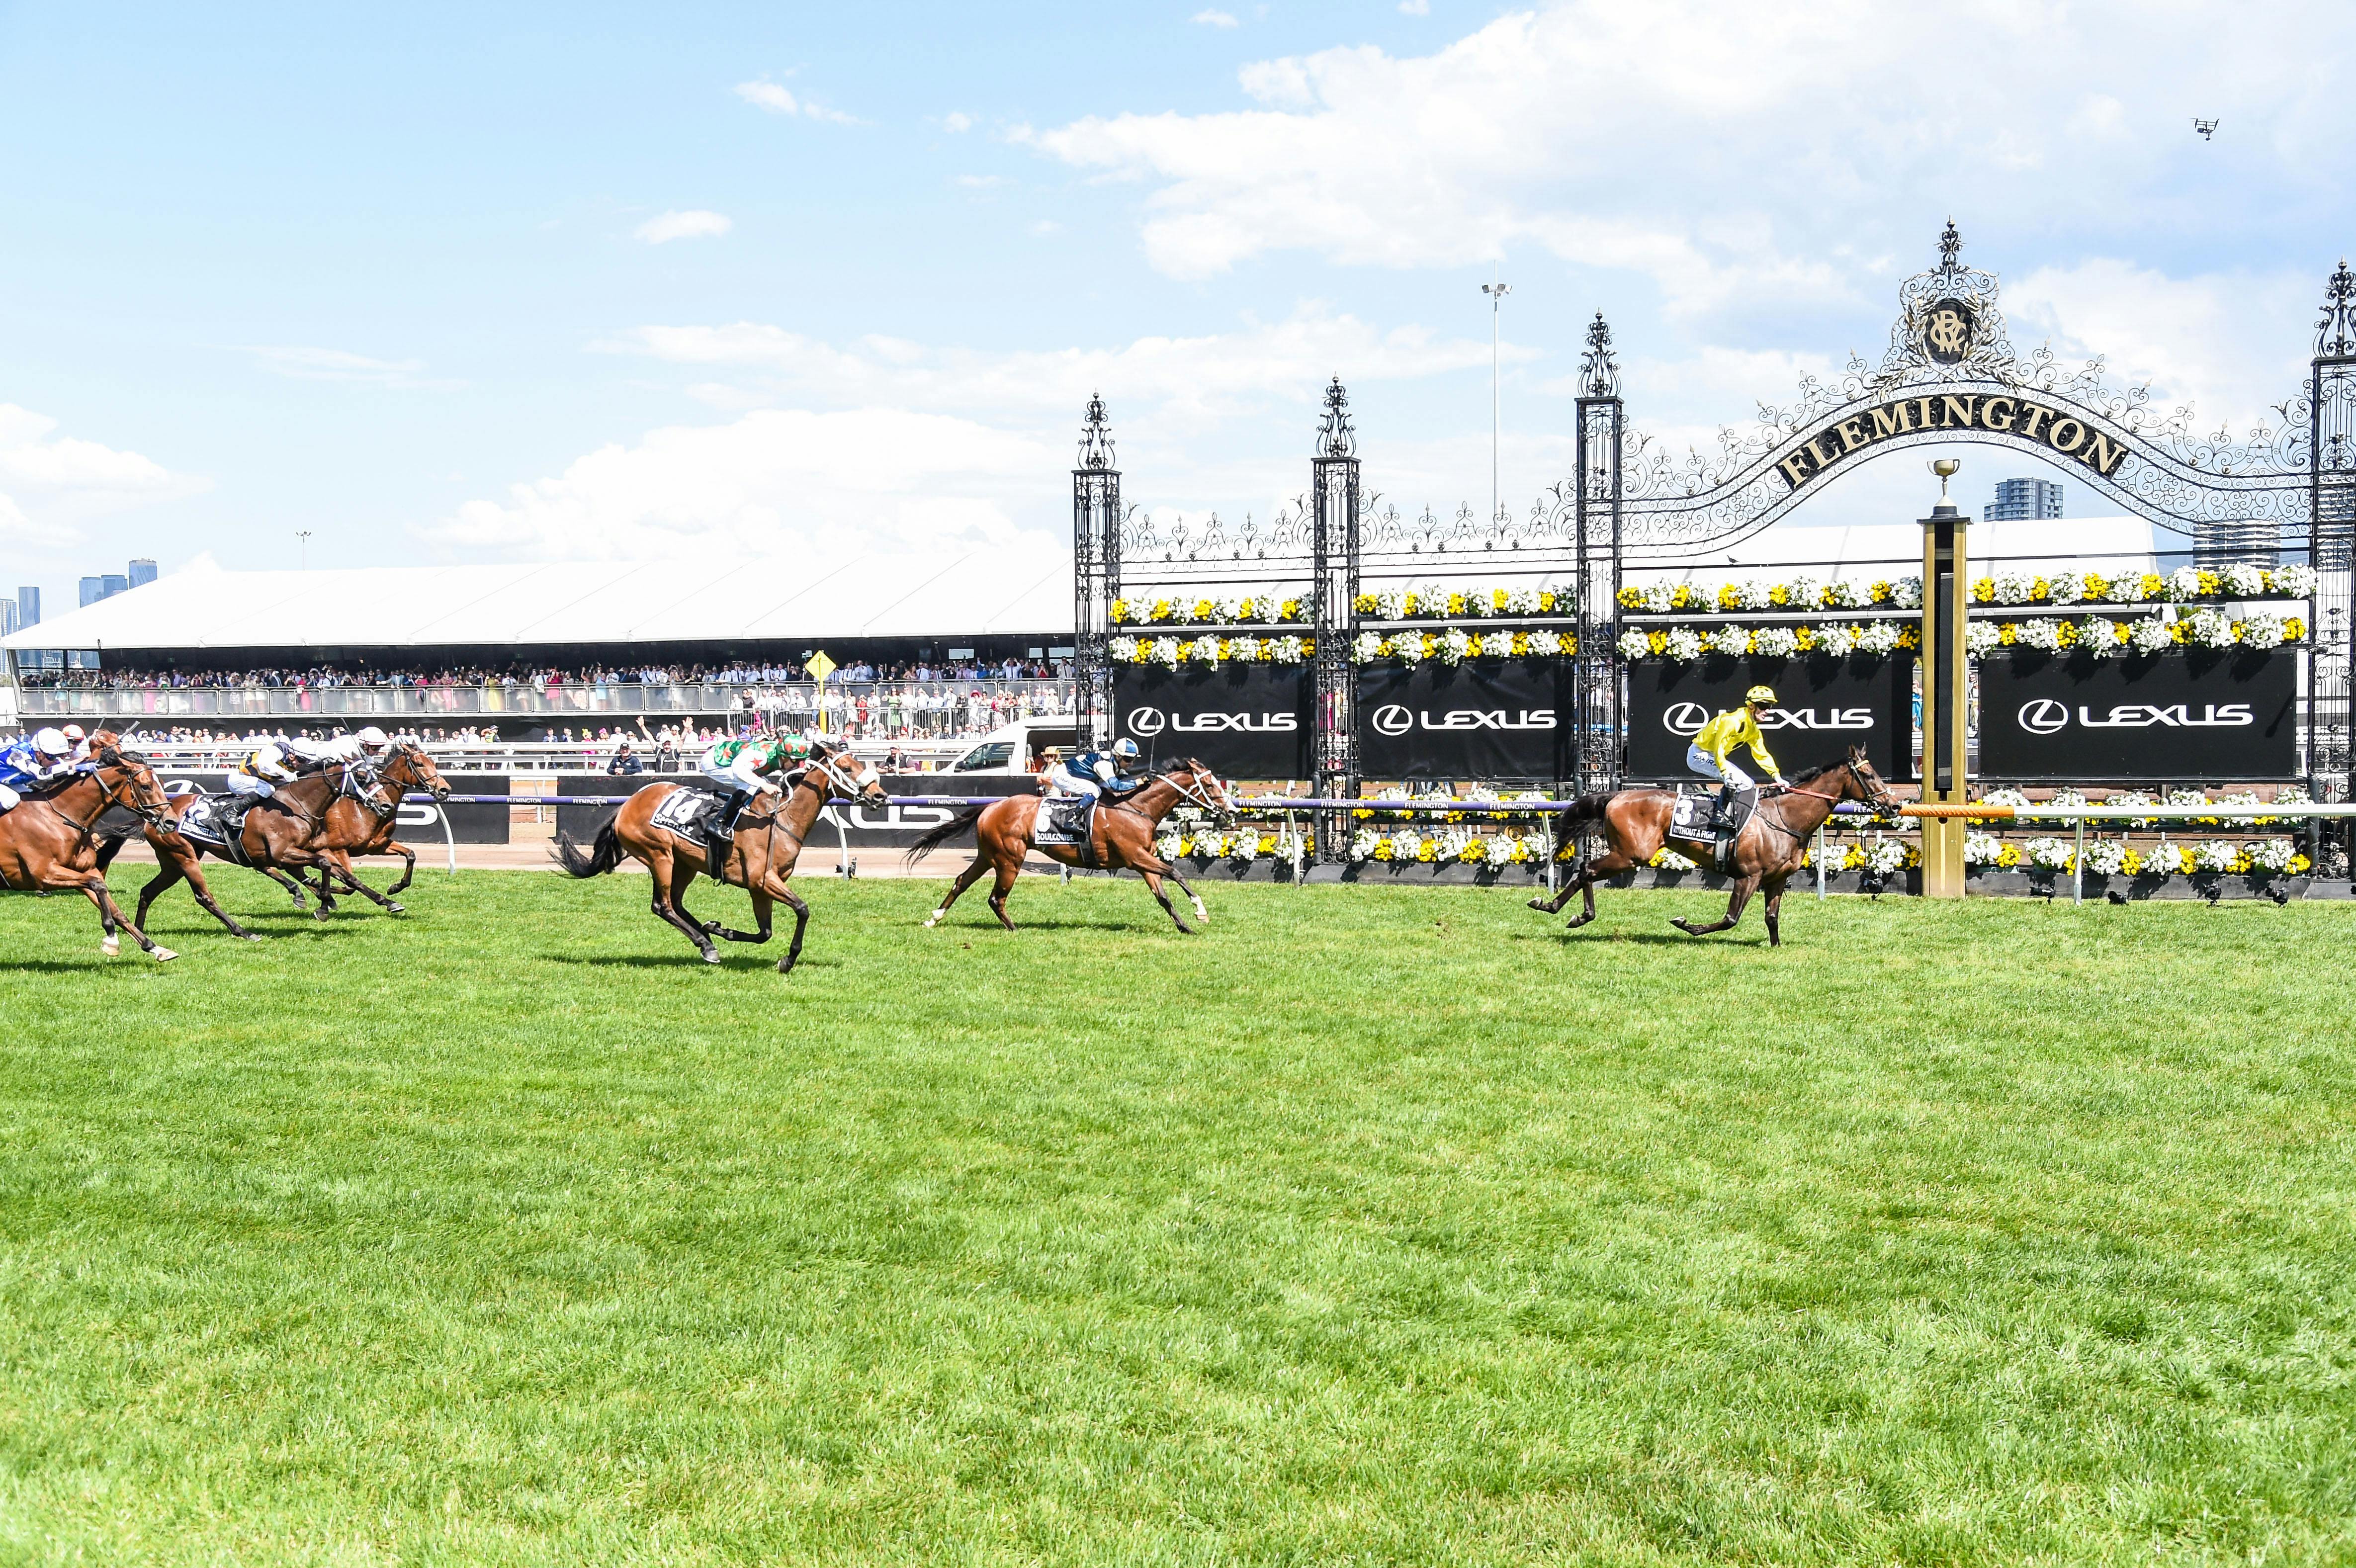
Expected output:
(1810, 775)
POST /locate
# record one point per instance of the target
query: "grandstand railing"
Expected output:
(912, 707)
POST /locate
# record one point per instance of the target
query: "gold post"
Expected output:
(1947, 598)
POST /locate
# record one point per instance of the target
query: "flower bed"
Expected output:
(1267, 609)
(1210, 651)
(2187, 584)
(1455, 645)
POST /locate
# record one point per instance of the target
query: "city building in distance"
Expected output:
(2021, 500)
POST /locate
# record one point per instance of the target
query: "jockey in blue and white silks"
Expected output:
(1091, 773)
(34, 760)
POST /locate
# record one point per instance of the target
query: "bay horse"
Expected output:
(358, 826)
(1770, 848)
(1121, 837)
(760, 859)
(47, 844)
(271, 841)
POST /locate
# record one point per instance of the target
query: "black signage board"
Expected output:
(420, 817)
(1485, 719)
(1246, 721)
(867, 827)
(1829, 706)
(2229, 715)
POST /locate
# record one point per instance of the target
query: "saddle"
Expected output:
(1067, 821)
(1696, 817)
(218, 822)
(688, 812)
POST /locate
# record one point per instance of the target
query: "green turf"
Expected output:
(1377, 1225)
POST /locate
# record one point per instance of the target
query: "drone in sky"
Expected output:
(2208, 128)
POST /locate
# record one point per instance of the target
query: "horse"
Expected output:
(1121, 837)
(46, 844)
(1768, 850)
(759, 860)
(358, 826)
(271, 841)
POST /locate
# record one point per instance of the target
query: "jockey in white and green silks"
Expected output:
(740, 767)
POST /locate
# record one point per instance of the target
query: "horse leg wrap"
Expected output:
(111, 946)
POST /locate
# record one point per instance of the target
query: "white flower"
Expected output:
(1522, 602)
(1775, 642)
(1981, 637)
(2241, 580)
(2013, 587)
(1223, 612)
(1885, 855)
(1498, 645)
(2051, 853)
(1245, 846)
(2150, 635)
(1659, 597)
(1879, 637)
(1685, 644)
(1365, 648)
(2043, 633)
(2272, 855)
(1800, 593)
(2239, 798)
(1754, 594)
(2065, 587)
(1408, 648)
(1453, 646)
(1981, 849)
(1670, 860)
(1847, 595)
(1390, 605)
(1291, 650)
(2124, 798)
(1546, 644)
(1166, 846)
(2263, 631)
(2004, 798)
(1836, 639)
(2108, 857)
(1164, 653)
(1203, 650)
(2067, 798)
(1245, 648)
(1122, 649)
(1907, 592)
(1729, 640)
(2212, 627)
(2184, 583)
(1405, 844)
(2216, 855)
(2296, 581)
(1362, 843)
(2101, 637)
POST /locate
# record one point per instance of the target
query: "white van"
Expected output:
(1015, 747)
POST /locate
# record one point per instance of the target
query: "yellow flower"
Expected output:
(1119, 611)
(1161, 609)
(1631, 599)
(2299, 863)
(1203, 610)
(2069, 635)
(1383, 850)
(1983, 590)
(1881, 593)
(1521, 644)
(1546, 599)
(1781, 594)
(2008, 856)
(1659, 642)
(1363, 604)
(1683, 597)
(2096, 585)
(2210, 581)
(2008, 633)
(1806, 636)
(1910, 635)
(1497, 597)
(2152, 583)
(1429, 850)
(2039, 590)
(1729, 597)
(1290, 610)
(1411, 604)
(1456, 603)
(2294, 628)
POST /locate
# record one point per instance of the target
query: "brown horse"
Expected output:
(359, 826)
(766, 845)
(1121, 837)
(285, 832)
(1771, 847)
(47, 845)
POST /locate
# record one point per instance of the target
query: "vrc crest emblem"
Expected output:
(1947, 331)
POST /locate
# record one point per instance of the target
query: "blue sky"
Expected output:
(519, 281)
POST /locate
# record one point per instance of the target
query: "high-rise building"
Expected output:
(28, 607)
(7, 617)
(2019, 499)
(142, 571)
(92, 590)
(113, 583)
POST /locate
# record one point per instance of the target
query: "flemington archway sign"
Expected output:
(1949, 374)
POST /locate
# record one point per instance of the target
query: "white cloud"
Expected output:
(1415, 8)
(773, 97)
(1718, 149)
(982, 181)
(50, 483)
(310, 363)
(693, 224)
(956, 121)
(774, 480)
(1216, 20)
(1190, 381)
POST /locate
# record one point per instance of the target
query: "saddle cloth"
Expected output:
(685, 811)
(207, 820)
(1064, 821)
(1693, 817)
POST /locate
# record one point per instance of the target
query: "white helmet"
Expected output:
(76, 734)
(371, 738)
(52, 742)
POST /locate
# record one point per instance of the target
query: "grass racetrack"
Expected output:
(1373, 1226)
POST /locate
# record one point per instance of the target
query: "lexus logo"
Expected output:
(1686, 718)
(2043, 717)
(1392, 719)
(1145, 721)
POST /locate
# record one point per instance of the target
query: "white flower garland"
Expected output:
(1170, 652)
(2010, 587)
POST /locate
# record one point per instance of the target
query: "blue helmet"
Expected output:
(1124, 750)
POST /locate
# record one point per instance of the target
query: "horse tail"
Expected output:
(603, 856)
(954, 827)
(1586, 809)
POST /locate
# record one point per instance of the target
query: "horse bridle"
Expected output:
(153, 816)
(836, 778)
(1193, 790)
(1858, 777)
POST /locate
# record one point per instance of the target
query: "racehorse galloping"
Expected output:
(46, 844)
(766, 845)
(1770, 849)
(1121, 837)
(360, 826)
(285, 832)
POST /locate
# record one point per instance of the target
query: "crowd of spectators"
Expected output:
(321, 678)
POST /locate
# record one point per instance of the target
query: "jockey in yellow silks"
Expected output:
(1709, 753)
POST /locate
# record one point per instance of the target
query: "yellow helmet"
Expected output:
(1760, 697)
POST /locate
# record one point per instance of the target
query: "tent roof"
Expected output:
(951, 594)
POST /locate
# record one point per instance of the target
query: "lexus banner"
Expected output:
(1246, 721)
(1829, 706)
(1486, 718)
(2227, 714)
(421, 818)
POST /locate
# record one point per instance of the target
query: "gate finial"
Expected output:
(1599, 373)
(1334, 437)
(2335, 335)
(1096, 435)
(1951, 248)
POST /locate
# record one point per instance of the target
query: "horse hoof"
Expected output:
(111, 946)
(712, 955)
(163, 955)
(394, 909)
(1541, 905)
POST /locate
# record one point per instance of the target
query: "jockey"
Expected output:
(266, 766)
(1091, 773)
(79, 739)
(33, 760)
(740, 767)
(363, 744)
(1736, 727)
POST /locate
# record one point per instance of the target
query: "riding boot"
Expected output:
(723, 833)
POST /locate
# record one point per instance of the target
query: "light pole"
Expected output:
(1496, 292)
(304, 534)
